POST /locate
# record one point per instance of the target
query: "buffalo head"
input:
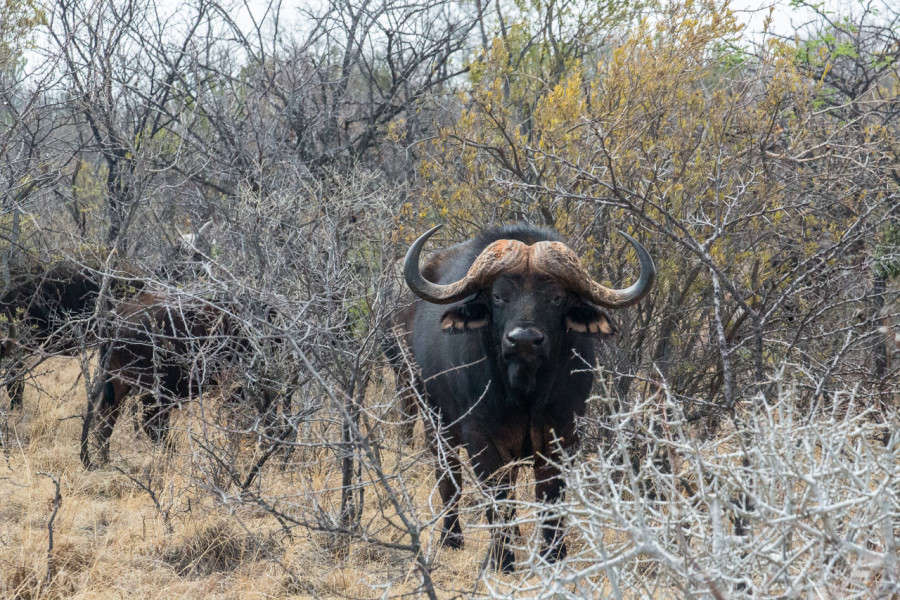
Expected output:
(526, 299)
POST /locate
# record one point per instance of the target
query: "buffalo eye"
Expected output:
(498, 299)
(557, 299)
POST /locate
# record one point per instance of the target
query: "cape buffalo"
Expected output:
(47, 308)
(501, 342)
(169, 349)
(47, 311)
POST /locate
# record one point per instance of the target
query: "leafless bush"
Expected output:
(747, 439)
(814, 493)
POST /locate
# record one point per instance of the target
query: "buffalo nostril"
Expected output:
(524, 337)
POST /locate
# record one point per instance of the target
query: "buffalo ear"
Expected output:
(465, 317)
(590, 319)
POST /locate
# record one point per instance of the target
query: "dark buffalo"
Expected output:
(169, 349)
(47, 312)
(501, 342)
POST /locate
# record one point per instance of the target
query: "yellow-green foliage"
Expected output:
(660, 118)
(18, 19)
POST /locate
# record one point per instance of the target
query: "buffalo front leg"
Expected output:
(548, 490)
(114, 391)
(409, 409)
(448, 473)
(493, 469)
(549, 487)
(501, 513)
(15, 385)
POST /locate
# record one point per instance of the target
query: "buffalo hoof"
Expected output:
(502, 560)
(452, 540)
(555, 552)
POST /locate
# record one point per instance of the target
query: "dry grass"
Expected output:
(111, 540)
(160, 525)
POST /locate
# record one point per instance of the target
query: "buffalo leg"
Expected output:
(499, 480)
(277, 427)
(449, 478)
(15, 388)
(501, 514)
(448, 474)
(156, 418)
(114, 392)
(409, 407)
(549, 489)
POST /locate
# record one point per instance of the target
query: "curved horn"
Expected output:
(498, 257)
(640, 288)
(421, 287)
(558, 260)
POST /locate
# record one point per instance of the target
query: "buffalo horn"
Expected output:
(554, 259)
(499, 257)
(558, 260)
(431, 292)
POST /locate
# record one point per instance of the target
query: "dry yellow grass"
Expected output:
(111, 541)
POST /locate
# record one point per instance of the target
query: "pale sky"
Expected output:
(785, 19)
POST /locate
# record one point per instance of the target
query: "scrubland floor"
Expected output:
(156, 523)
(112, 538)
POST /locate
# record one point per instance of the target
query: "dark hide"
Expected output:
(506, 373)
(396, 346)
(47, 312)
(168, 351)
